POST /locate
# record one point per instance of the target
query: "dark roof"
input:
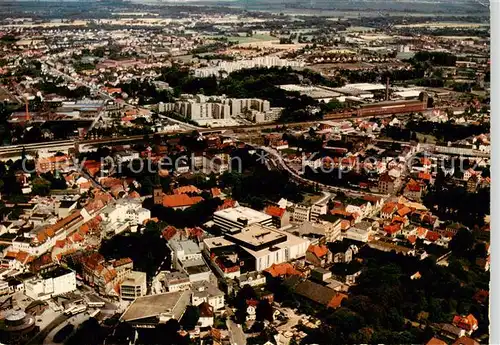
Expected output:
(315, 292)
(67, 203)
(25, 276)
(343, 269)
(339, 246)
(206, 310)
(59, 271)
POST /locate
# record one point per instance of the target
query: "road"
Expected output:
(278, 161)
(40, 337)
(75, 320)
(236, 333)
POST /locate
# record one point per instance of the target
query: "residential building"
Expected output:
(318, 255)
(204, 291)
(251, 278)
(167, 281)
(320, 294)
(206, 315)
(280, 216)
(360, 231)
(342, 251)
(301, 213)
(182, 251)
(329, 231)
(388, 184)
(320, 207)
(468, 323)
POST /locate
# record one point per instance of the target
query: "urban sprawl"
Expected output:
(262, 173)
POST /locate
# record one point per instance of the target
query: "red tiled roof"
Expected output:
(134, 195)
(413, 187)
(121, 262)
(206, 310)
(468, 322)
(392, 228)
(412, 239)
(436, 341)
(186, 189)
(284, 269)
(425, 161)
(84, 228)
(421, 231)
(404, 211)
(60, 243)
(432, 236)
(228, 203)
(465, 341)
(180, 200)
(345, 224)
(398, 219)
(389, 208)
(424, 176)
(337, 300)
(77, 237)
(169, 232)
(11, 255)
(319, 251)
(21, 256)
(215, 192)
(252, 302)
(275, 211)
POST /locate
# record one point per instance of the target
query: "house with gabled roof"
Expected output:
(319, 255)
(468, 323)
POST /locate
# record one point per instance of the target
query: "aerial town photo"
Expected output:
(235, 172)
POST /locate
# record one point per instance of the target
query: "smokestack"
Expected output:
(387, 89)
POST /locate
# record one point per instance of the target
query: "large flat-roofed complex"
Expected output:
(257, 237)
(236, 218)
(259, 247)
(319, 93)
(150, 310)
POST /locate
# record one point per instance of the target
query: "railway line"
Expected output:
(65, 144)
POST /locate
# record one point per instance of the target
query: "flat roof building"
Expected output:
(147, 311)
(236, 218)
(133, 286)
(259, 246)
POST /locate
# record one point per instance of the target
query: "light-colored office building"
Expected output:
(236, 218)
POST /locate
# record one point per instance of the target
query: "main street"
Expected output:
(40, 337)
(236, 333)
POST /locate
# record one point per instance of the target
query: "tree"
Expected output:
(88, 333)
(190, 318)
(264, 311)
(41, 186)
(462, 242)
(147, 186)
